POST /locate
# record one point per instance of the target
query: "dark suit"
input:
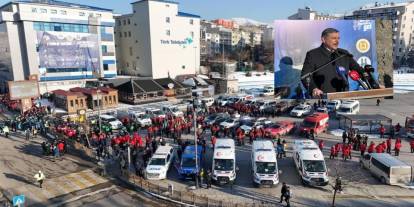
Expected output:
(327, 79)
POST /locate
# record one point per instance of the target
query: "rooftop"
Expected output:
(60, 3)
(381, 6)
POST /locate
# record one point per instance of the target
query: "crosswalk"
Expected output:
(59, 186)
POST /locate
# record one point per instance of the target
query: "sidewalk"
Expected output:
(56, 187)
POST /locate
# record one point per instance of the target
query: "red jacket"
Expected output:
(398, 146)
(363, 147)
(371, 148)
(412, 143)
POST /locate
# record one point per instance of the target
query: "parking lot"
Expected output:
(360, 186)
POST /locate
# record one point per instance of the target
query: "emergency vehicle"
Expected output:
(264, 163)
(224, 161)
(160, 163)
(409, 126)
(317, 121)
(310, 163)
(187, 166)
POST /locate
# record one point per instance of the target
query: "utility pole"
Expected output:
(195, 141)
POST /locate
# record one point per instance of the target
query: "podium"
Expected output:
(365, 94)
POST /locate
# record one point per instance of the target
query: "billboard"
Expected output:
(23, 89)
(63, 50)
(294, 38)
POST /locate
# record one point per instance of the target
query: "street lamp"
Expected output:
(195, 100)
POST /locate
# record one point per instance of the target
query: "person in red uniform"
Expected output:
(337, 149)
(397, 148)
(382, 131)
(321, 144)
(412, 145)
(371, 147)
(362, 148)
(332, 155)
(389, 145)
(240, 136)
(346, 152)
(379, 149)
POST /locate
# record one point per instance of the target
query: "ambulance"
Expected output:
(310, 163)
(224, 161)
(317, 121)
(264, 163)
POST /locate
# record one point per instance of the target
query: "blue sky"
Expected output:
(260, 10)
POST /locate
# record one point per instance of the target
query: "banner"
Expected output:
(63, 50)
(294, 38)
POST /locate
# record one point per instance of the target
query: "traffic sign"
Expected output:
(18, 200)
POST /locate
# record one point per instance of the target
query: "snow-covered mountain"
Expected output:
(247, 22)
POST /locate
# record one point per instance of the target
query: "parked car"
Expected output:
(280, 128)
(301, 110)
(229, 123)
(115, 123)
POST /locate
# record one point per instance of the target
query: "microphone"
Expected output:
(369, 70)
(356, 77)
(342, 72)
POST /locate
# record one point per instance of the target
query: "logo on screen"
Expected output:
(364, 60)
(363, 45)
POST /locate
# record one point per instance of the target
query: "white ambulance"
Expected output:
(310, 163)
(224, 161)
(160, 163)
(264, 163)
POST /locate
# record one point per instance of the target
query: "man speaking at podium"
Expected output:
(333, 77)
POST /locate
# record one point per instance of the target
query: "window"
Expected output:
(105, 67)
(167, 19)
(192, 34)
(120, 34)
(129, 21)
(191, 21)
(98, 15)
(58, 27)
(168, 32)
(63, 12)
(71, 103)
(399, 49)
(114, 99)
(129, 33)
(130, 51)
(81, 14)
(119, 22)
(43, 11)
(110, 99)
(53, 11)
(77, 103)
(104, 48)
(34, 10)
(183, 67)
(380, 166)
(106, 100)
(401, 42)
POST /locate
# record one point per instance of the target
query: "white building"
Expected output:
(268, 37)
(402, 16)
(309, 14)
(157, 40)
(63, 43)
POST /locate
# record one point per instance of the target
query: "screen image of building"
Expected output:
(64, 44)
(157, 40)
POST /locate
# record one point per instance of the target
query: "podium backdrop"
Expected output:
(293, 38)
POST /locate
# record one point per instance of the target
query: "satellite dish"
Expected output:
(170, 85)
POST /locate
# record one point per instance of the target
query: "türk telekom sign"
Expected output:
(186, 41)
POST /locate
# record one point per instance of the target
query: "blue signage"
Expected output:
(18, 200)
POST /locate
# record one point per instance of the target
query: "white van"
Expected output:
(348, 107)
(310, 163)
(264, 163)
(154, 112)
(160, 163)
(388, 169)
(224, 161)
(115, 123)
(208, 101)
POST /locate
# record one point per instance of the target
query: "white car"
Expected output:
(333, 105)
(153, 112)
(301, 110)
(115, 123)
(259, 123)
(159, 163)
(229, 123)
(173, 110)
